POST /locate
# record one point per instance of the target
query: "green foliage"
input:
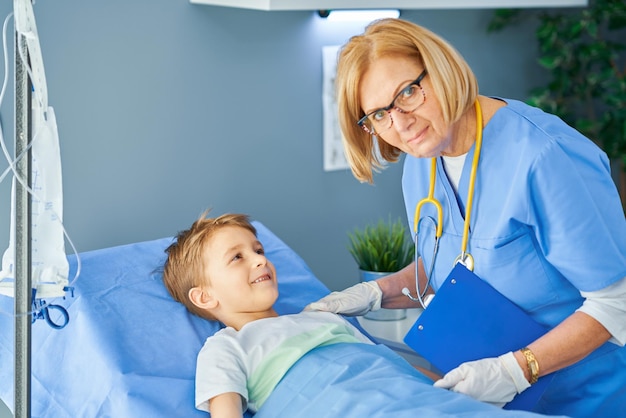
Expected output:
(584, 50)
(384, 247)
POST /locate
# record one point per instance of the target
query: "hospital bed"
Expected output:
(129, 350)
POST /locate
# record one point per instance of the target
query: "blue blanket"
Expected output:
(363, 381)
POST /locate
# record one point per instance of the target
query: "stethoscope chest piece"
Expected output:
(466, 259)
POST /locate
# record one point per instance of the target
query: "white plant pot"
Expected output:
(381, 314)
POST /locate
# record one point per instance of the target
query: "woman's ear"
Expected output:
(202, 298)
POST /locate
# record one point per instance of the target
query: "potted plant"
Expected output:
(584, 50)
(380, 249)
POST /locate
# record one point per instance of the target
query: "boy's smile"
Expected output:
(239, 277)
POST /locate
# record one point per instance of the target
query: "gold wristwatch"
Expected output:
(533, 365)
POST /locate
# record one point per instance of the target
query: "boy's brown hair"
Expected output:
(184, 267)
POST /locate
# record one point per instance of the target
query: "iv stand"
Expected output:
(23, 230)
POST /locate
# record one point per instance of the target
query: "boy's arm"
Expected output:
(226, 405)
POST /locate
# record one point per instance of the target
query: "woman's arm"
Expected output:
(570, 341)
(393, 284)
(498, 379)
(226, 405)
(363, 297)
(602, 316)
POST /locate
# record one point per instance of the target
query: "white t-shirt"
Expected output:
(252, 361)
(454, 169)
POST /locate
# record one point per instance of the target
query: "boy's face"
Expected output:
(241, 279)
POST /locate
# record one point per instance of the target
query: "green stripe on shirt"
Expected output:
(277, 363)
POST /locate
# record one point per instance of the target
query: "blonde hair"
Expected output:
(184, 267)
(452, 80)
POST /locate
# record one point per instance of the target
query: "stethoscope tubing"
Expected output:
(464, 257)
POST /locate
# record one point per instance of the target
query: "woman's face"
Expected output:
(421, 133)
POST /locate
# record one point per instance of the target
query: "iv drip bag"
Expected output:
(50, 267)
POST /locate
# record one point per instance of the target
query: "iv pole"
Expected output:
(23, 229)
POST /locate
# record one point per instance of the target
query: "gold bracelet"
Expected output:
(533, 365)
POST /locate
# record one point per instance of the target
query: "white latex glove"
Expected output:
(355, 300)
(495, 380)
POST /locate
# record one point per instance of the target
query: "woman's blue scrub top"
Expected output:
(546, 223)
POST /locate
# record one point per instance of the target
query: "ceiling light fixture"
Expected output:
(358, 15)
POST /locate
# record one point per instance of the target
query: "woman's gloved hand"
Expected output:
(356, 300)
(495, 380)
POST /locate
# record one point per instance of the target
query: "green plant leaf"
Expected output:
(550, 62)
(583, 49)
(503, 18)
(383, 247)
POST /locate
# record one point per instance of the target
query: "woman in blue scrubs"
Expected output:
(547, 228)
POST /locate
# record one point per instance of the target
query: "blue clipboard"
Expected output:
(469, 320)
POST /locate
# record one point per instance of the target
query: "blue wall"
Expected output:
(166, 108)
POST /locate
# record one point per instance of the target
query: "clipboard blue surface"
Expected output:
(469, 320)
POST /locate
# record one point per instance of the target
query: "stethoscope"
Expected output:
(465, 257)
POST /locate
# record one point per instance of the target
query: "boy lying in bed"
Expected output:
(218, 270)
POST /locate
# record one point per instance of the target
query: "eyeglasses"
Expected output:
(408, 100)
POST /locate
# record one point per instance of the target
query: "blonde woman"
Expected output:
(547, 229)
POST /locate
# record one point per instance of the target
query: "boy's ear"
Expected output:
(202, 298)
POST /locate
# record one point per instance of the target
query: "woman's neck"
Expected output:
(463, 134)
(464, 130)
